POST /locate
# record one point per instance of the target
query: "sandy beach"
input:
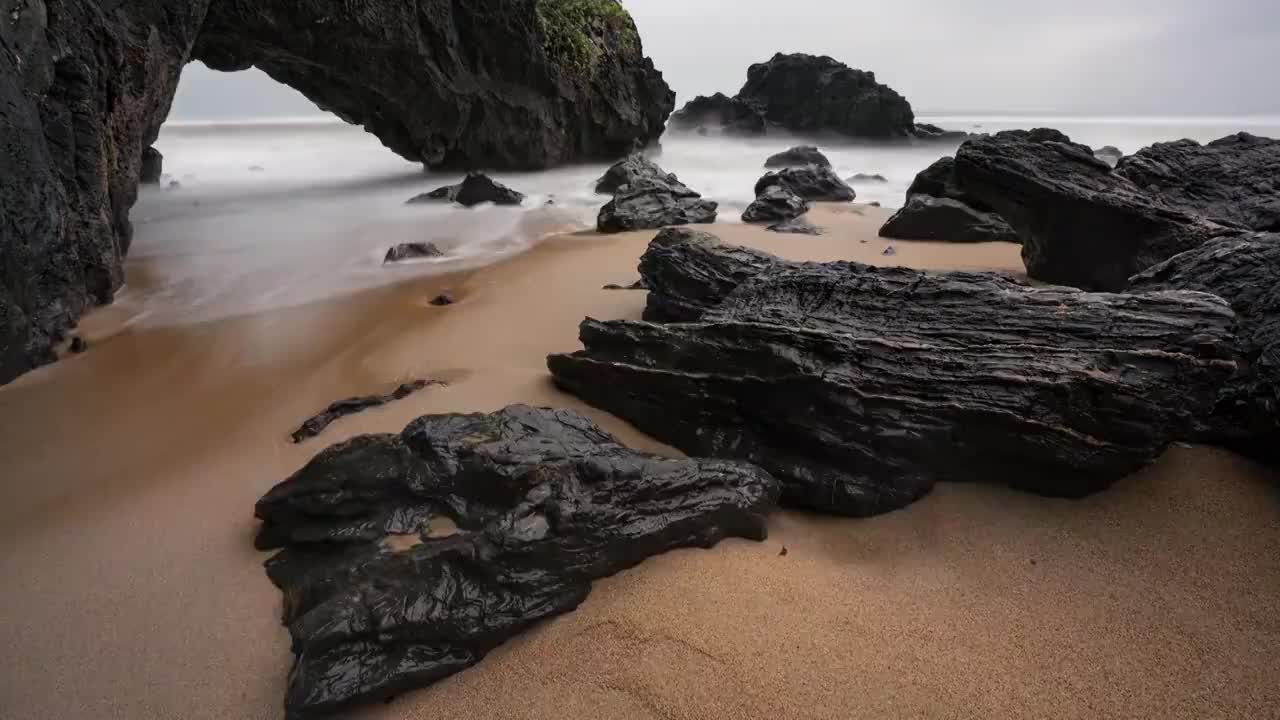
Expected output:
(132, 590)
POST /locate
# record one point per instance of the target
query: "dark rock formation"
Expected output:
(1080, 223)
(860, 387)
(927, 131)
(444, 298)
(316, 424)
(865, 178)
(732, 116)
(798, 156)
(152, 167)
(78, 345)
(1234, 180)
(889, 251)
(407, 251)
(632, 168)
(408, 557)
(1108, 154)
(925, 217)
(775, 204)
(84, 87)
(819, 184)
(637, 285)
(1244, 271)
(795, 226)
(650, 203)
(689, 272)
(474, 189)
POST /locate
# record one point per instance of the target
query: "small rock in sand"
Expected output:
(78, 345)
(444, 298)
(406, 251)
(889, 251)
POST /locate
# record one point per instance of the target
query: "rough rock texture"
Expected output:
(689, 272)
(795, 226)
(812, 182)
(316, 424)
(1234, 180)
(798, 156)
(474, 189)
(650, 203)
(406, 251)
(632, 168)
(1081, 224)
(84, 87)
(1244, 271)
(860, 387)
(775, 204)
(733, 116)
(930, 218)
(152, 167)
(408, 557)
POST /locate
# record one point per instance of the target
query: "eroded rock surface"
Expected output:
(775, 204)
(407, 558)
(860, 387)
(474, 189)
(929, 218)
(632, 168)
(654, 200)
(811, 182)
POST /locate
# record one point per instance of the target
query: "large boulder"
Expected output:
(650, 203)
(408, 557)
(476, 188)
(812, 182)
(860, 387)
(798, 156)
(925, 217)
(1080, 223)
(1245, 271)
(776, 204)
(630, 169)
(732, 116)
(689, 272)
(1234, 180)
(85, 86)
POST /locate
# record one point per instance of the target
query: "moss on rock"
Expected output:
(567, 26)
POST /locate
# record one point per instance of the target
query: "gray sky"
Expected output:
(1185, 57)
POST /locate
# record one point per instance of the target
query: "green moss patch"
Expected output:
(567, 24)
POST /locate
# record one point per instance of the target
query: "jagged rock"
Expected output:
(795, 226)
(152, 167)
(1244, 271)
(798, 156)
(85, 86)
(474, 189)
(407, 558)
(1080, 223)
(1234, 180)
(819, 184)
(775, 204)
(860, 387)
(316, 424)
(1108, 154)
(408, 251)
(649, 203)
(689, 272)
(864, 178)
(732, 115)
(929, 218)
(928, 131)
(632, 168)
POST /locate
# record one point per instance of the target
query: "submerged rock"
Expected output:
(795, 226)
(152, 167)
(317, 423)
(812, 182)
(382, 594)
(866, 179)
(775, 204)
(929, 218)
(474, 189)
(898, 379)
(409, 251)
(733, 116)
(1244, 271)
(650, 203)
(798, 156)
(632, 168)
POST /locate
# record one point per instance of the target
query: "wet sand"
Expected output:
(131, 588)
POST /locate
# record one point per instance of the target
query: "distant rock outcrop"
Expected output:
(776, 204)
(732, 116)
(798, 156)
(812, 182)
(651, 198)
(630, 169)
(476, 188)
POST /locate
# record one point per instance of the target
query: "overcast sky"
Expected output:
(1184, 57)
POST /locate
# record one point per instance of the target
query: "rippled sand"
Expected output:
(131, 588)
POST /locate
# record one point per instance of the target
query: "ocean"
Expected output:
(262, 214)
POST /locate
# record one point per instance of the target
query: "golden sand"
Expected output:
(132, 590)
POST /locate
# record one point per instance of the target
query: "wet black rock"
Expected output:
(732, 116)
(1080, 223)
(928, 131)
(866, 179)
(689, 272)
(407, 251)
(85, 86)
(929, 218)
(632, 168)
(637, 285)
(795, 226)
(812, 182)
(1244, 271)
(860, 387)
(649, 203)
(798, 156)
(474, 189)
(1234, 180)
(78, 345)
(444, 298)
(775, 204)
(152, 167)
(407, 558)
(1108, 154)
(316, 424)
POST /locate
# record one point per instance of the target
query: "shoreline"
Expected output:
(129, 535)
